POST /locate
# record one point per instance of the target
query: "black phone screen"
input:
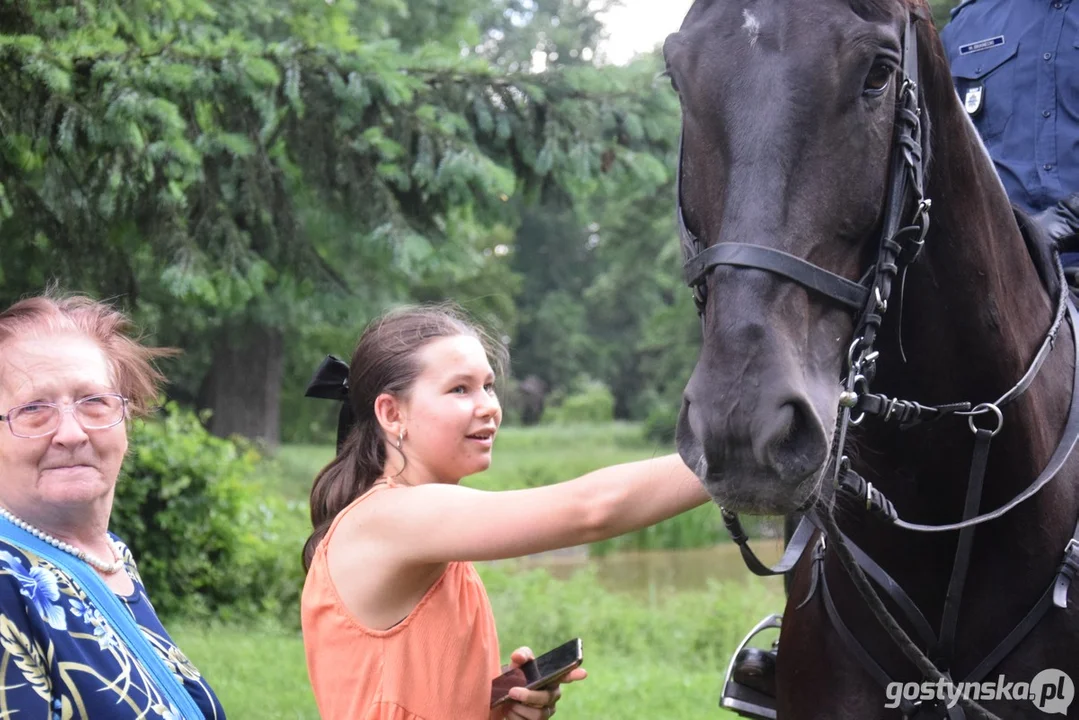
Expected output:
(540, 673)
(552, 665)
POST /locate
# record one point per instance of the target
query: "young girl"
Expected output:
(396, 623)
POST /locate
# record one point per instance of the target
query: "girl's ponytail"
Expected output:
(358, 465)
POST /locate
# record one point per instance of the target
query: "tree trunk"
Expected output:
(243, 387)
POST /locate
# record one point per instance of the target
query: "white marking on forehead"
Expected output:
(752, 26)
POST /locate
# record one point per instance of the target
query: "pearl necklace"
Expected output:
(105, 567)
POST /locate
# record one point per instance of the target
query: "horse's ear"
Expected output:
(673, 51)
(672, 48)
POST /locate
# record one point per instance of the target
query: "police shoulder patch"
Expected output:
(974, 98)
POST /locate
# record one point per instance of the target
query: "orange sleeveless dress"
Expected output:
(436, 664)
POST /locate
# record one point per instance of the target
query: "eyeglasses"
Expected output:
(39, 419)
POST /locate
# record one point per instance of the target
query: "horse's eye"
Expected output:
(674, 83)
(877, 81)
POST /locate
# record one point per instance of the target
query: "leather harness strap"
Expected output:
(1056, 595)
(759, 257)
(1052, 596)
(950, 616)
(800, 540)
(854, 487)
(798, 543)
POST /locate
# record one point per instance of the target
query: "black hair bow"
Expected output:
(330, 382)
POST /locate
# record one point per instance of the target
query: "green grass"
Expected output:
(257, 673)
(661, 659)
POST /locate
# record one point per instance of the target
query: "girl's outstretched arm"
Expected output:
(438, 523)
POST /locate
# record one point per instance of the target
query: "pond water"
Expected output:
(653, 571)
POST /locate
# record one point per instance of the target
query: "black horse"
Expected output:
(797, 115)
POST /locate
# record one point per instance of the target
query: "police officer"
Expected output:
(1015, 64)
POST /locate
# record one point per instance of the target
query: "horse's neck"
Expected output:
(974, 314)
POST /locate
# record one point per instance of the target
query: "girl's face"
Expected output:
(451, 414)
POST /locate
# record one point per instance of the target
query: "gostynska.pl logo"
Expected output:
(1051, 691)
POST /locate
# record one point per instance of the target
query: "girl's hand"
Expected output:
(535, 704)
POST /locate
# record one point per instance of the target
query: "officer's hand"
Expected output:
(1061, 222)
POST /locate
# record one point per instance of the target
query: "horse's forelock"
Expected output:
(884, 9)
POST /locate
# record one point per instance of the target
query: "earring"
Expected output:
(400, 439)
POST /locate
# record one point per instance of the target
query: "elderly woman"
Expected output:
(78, 635)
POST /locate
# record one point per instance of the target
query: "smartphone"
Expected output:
(540, 673)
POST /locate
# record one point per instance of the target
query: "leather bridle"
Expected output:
(898, 246)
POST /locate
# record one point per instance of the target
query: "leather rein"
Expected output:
(898, 247)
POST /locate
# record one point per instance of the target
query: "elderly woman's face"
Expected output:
(72, 466)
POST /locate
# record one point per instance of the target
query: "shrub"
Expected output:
(204, 540)
(593, 403)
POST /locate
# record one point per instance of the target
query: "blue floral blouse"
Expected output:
(59, 660)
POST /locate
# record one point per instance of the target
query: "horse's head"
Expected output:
(789, 109)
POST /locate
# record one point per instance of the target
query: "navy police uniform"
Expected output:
(1016, 69)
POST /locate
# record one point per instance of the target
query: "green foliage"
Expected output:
(591, 403)
(200, 131)
(206, 542)
(295, 164)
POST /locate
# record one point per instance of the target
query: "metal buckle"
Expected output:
(863, 384)
(882, 304)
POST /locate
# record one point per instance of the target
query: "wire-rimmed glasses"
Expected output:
(39, 419)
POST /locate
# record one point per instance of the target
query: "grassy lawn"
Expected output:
(651, 656)
(263, 677)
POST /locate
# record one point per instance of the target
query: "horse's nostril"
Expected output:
(797, 445)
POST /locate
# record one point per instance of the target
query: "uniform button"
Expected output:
(1046, 113)
(1057, 6)
(1047, 56)
(1047, 166)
